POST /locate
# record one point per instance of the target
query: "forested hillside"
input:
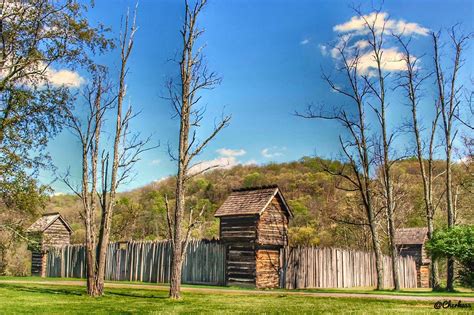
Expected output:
(324, 214)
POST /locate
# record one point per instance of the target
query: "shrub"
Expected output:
(457, 242)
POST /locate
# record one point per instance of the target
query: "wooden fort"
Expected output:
(254, 228)
(48, 231)
(411, 242)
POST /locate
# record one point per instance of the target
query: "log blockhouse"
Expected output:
(254, 228)
(411, 242)
(50, 230)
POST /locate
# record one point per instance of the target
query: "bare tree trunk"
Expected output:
(89, 184)
(411, 81)
(121, 124)
(376, 248)
(356, 148)
(194, 77)
(176, 263)
(375, 40)
(449, 104)
(125, 153)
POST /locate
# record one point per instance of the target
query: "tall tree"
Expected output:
(358, 147)
(384, 152)
(411, 81)
(449, 92)
(185, 96)
(36, 37)
(110, 168)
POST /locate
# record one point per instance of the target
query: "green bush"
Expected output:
(457, 242)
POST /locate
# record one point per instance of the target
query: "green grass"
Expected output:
(21, 298)
(459, 292)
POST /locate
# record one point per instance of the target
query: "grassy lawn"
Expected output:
(54, 299)
(459, 292)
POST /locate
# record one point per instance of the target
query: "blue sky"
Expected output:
(269, 54)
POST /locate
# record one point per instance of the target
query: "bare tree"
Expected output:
(87, 131)
(358, 147)
(97, 164)
(384, 151)
(185, 96)
(449, 91)
(411, 81)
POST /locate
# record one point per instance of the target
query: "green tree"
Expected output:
(456, 243)
(36, 37)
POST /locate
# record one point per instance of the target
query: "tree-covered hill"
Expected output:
(325, 215)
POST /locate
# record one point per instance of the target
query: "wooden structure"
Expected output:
(254, 228)
(315, 267)
(146, 261)
(50, 230)
(411, 242)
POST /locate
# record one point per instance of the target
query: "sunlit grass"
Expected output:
(52, 299)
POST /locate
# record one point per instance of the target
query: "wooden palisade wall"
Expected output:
(303, 267)
(312, 267)
(144, 261)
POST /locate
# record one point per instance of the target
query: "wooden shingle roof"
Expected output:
(251, 201)
(411, 236)
(43, 223)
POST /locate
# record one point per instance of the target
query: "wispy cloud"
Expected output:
(323, 49)
(380, 21)
(220, 162)
(231, 152)
(273, 152)
(304, 41)
(392, 60)
(227, 158)
(352, 33)
(64, 77)
(155, 162)
(46, 74)
(251, 162)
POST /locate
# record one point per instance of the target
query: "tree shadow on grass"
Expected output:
(153, 296)
(78, 292)
(63, 291)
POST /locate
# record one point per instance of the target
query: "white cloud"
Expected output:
(40, 74)
(220, 162)
(304, 41)
(156, 181)
(464, 159)
(231, 152)
(155, 162)
(272, 152)
(361, 44)
(323, 49)
(64, 77)
(352, 37)
(380, 21)
(392, 60)
(227, 158)
(251, 162)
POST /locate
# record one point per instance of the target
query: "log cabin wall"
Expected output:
(414, 250)
(254, 228)
(51, 230)
(268, 268)
(411, 242)
(272, 227)
(238, 229)
(239, 234)
(56, 235)
(36, 263)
